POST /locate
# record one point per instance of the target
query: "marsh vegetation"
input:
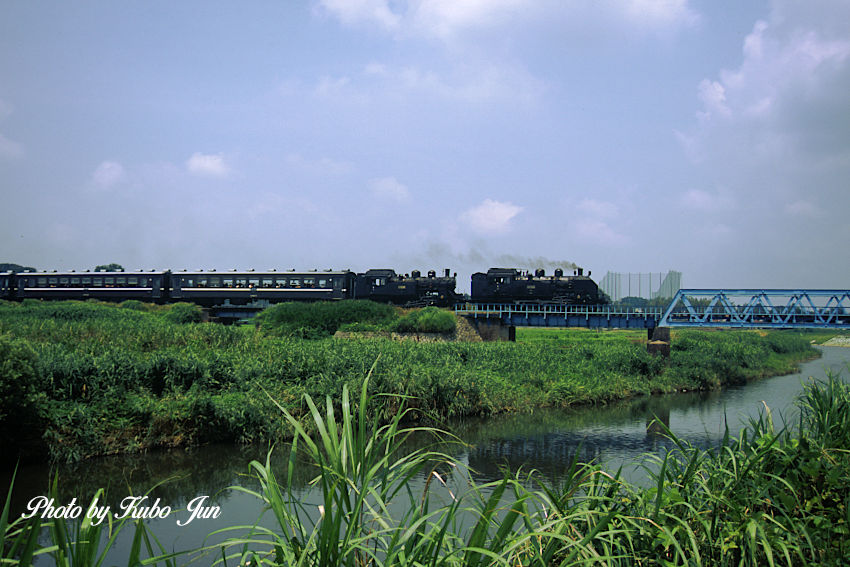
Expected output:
(85, 379)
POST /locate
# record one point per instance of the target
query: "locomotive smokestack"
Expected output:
(539, 273)
(448, 273)
(581, 271)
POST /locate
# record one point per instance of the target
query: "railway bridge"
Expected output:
(723, 308)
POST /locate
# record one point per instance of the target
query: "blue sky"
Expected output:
(708, 137)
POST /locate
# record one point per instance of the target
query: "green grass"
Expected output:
(84, 379)
(772, 495)
(566, 335)
(818, 337)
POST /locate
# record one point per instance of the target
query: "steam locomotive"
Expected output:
(211, 288)
(509, 285)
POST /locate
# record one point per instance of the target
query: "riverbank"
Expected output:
(767, 495)
(81, 380)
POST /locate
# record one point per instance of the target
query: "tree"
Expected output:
(109, 268)
(17, 268)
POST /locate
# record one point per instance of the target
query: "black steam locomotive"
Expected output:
(211, 288)
(500, 285)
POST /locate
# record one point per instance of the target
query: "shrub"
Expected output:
(133, 304)
(185, 313)
(427, 320)
(18, 379)
(321, 319)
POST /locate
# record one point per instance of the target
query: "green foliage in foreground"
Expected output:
(321, 319)
(427, 320)
(89, 379)
(766, 497)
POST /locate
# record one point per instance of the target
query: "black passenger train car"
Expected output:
(385, 286)
(241, 288)
(105, 286)
(7, 285)
(501, 285)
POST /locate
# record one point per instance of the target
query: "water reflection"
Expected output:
(616, 435)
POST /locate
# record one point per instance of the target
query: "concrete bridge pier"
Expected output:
(493, 329)
(658, 341)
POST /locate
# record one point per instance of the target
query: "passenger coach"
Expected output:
(106, 286)
(7, 285)
(242, 288)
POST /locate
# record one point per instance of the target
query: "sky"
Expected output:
(710, 137)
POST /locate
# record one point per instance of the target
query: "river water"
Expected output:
(616, 435)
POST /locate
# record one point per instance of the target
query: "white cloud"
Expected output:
(321, 166)
(389, 188)
(450, 19)
(713, 97)
(375, 68)
(472, 84)
(351, 12)
(598, 209)
(10, 148)
(782, 69)
(594, 223)
(5, 109)
(210, 165)
(802, 209)
(444, 18)
(663, 14)
(108, 174)
(329, 86)
(597, 231)
(776, 128)
(706, 202)
(491, 217)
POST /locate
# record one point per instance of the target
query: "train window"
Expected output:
(323, 282)
(109, 282)
(268, 282)
(189, 282)
(227, 282)
(75, 281)
(294, 283)
(143, 282)
(213, 282)
(86, 281)
(53, 281)
(97, 282)
(241, 282)
(42, 282)
(254, 282)
(63, 282)
(309, 282)
(121, 282)
(133, 281)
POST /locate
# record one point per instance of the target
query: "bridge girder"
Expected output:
(759, 308)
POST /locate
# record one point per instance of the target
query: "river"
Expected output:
(617, 435)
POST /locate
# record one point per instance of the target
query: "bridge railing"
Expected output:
(499, 309)
(758, 308)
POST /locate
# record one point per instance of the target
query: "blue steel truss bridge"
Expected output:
(738, 308)
(759, 308)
